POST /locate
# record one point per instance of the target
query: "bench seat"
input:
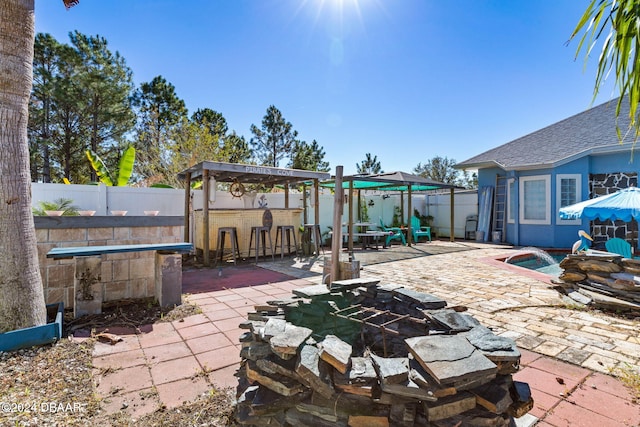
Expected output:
(70, 252)
(88, 288)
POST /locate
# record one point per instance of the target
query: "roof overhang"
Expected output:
(250, 174)
(595, 151)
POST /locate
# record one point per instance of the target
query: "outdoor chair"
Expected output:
(619, 246)
(395, 233)
(418, 231)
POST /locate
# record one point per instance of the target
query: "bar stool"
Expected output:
(233, 236)
(261, 232)
(280, 232)
(314, 231)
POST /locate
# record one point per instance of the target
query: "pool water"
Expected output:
(533, 262)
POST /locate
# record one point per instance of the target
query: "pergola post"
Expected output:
(205, 218)
(286, 195)
(350, 243)
(336, 241)
(316, 207)
(451, 235)
(409, 204)
(305, 214)
(187, 199)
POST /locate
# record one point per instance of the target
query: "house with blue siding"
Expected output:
(532, 177)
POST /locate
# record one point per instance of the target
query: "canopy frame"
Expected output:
(245, 174)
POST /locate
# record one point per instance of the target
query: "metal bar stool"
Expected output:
(314, 231)
(261, 232)
(280, 232)
(233, 236)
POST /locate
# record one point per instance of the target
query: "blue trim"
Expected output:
(36, 335)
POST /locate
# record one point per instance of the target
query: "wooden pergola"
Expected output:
(392, 181)
(234, 173)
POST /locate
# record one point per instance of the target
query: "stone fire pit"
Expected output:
(364, 354)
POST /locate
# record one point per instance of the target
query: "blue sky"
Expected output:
(405, 80)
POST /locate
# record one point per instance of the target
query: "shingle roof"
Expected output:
(593, 130)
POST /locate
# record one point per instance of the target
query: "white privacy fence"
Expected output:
(104, 199)
(170, 202)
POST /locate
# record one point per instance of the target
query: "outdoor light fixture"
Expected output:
(371, 203)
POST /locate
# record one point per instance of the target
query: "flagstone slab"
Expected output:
(422, 299)
(450, 359)
(336, 353)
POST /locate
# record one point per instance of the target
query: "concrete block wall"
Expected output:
(126, 275)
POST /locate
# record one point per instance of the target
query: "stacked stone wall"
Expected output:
(125, 275)
(601, 185)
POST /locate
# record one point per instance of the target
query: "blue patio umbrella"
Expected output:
(623, 205)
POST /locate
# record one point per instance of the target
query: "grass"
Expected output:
(630, 376)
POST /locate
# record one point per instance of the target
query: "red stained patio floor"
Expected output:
(175, 362)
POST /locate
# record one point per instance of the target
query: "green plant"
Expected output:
(397, 217)
(60, 204)
(326, 235)
(425, 220)
(364, 211)
(629, 376)
(125, 167)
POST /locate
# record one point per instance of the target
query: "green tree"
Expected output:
(438, 169)
(615, 23)
(214, 120)
(69, 136)
(107, 86)
(46, 57)
(235, 149)
(160, 112)
(369, 166)
(308, 157)
(191, 143)
(275, 140)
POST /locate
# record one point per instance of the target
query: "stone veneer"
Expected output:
(601, 185)
(126, 275)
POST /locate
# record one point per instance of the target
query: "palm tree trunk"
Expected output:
(21, 294)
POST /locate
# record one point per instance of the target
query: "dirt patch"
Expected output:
(52, 385)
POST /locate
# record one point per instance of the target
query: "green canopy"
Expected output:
(391, 181)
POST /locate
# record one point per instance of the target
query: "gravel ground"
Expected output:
(52, 385)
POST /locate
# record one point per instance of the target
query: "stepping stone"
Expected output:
(453, 321)
(310, 369)
(283, 386)
(345, 285)
(449, 406)
(272, 328)
(451, 359)
(256, 351)
(420, 298)
(391, 370)
(286, 344)
(336, 353)
(312, 291)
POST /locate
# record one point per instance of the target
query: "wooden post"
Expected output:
(305, 214)
(350, 226)
(451, 236)
(187, 206)
(336, 241)
(410, 214)
(205, 218)
(286, 195)
(316, 207)
(401, 207)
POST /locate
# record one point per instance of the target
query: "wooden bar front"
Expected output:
(243, 220)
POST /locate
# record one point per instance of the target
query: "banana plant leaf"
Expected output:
(125, 167)
(98, 165)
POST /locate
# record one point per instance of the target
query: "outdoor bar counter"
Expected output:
(243, 220)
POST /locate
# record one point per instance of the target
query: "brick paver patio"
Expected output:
(567, 354)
